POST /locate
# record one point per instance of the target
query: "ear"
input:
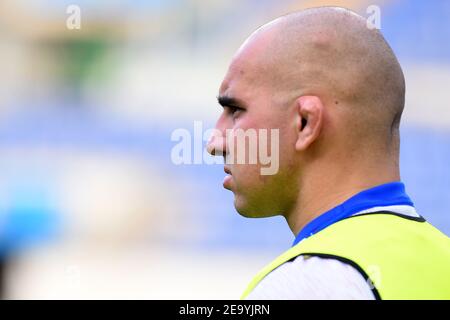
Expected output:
(310, 110)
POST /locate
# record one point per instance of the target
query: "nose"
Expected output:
(216, 145)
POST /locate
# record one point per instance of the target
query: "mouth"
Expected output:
(227, 179)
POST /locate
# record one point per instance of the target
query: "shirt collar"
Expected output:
(389, 194)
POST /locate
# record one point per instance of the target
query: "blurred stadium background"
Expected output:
(91, 205)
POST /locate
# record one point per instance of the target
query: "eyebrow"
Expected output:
(225, 101)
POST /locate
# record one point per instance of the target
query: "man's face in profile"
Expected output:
(250, 106)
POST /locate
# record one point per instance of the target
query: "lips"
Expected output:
(227, 179)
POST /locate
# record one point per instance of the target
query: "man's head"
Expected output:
(330, 85)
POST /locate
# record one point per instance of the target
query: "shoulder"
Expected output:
(311, 277)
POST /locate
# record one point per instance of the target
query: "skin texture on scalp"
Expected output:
(351, 78)
(332, 53)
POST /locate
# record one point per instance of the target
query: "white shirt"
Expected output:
(311, 278)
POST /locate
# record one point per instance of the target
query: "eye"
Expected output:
(233, 110)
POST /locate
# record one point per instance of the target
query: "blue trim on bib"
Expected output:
(389, 194)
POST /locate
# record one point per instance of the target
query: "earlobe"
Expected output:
(310, 109)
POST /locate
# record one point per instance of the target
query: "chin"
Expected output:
(247, 210)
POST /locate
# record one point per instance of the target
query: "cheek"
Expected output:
(275, 142)
(246, 123)
(246, 174)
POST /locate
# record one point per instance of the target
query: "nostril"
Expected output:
(210, 148)
(216, 144)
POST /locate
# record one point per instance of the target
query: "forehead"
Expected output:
(245, 74)
(234, 80)
(251, 65)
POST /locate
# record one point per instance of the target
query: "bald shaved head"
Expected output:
(330, 52)
(334, 89)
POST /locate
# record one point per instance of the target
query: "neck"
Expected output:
(324, 188)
